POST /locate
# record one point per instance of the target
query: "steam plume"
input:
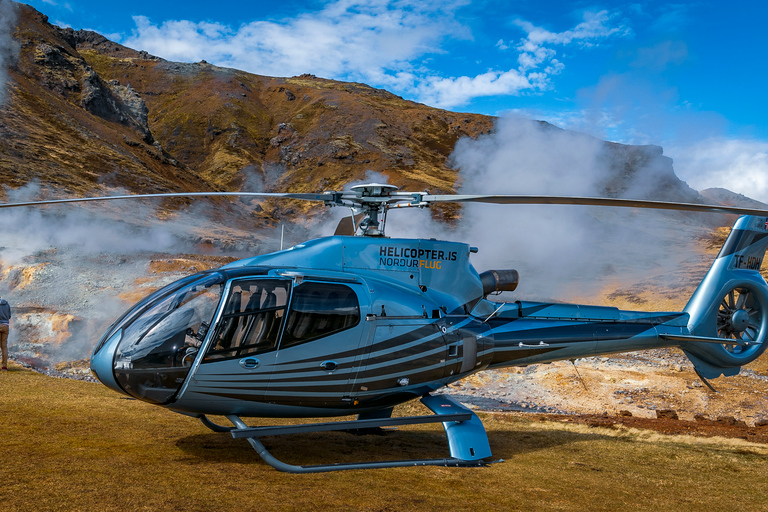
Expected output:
(8, 47)
(560, 251)
(80, 260)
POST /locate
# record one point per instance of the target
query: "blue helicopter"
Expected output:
(357, 323)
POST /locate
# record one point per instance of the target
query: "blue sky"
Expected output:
(688, 76)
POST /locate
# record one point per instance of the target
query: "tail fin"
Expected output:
(731, 302)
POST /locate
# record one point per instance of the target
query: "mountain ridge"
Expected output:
(84, 114)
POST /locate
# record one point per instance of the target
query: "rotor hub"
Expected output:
(739, 320)
(374, 189)
(373, 200)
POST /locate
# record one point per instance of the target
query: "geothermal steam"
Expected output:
(78, 260)
(82, 256)
(561, 252)
(8, 46)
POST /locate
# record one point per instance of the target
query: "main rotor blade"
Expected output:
(592, 201)
(305, 197)
(345, 198)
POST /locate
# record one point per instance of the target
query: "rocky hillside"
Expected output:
(83, 114)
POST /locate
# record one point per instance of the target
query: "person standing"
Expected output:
(5, 320)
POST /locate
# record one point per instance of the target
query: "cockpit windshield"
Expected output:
(158, 345)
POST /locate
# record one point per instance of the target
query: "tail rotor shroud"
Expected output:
(732, 303)
(740, 317)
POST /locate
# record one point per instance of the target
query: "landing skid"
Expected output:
(467, 439)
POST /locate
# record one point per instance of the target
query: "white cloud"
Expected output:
(660, 55)
(355, 39)
(447, 92)
(673, 17)
(380, 42)
(596, 27)
(55, 3)
(738, 165)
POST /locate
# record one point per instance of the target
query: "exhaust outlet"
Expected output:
(499, 281)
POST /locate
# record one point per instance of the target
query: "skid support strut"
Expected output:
(467, 439)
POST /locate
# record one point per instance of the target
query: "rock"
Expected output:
(700, 417)
(667, 414)
(625, 413)
(761, 423)
(286, 127)
(730, 421)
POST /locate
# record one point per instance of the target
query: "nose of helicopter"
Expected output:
(101, 362)
(148, 353)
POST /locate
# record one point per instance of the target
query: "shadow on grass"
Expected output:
(334, 447)
(507, 444)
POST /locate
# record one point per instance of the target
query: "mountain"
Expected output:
(728, 198)
(84, 115)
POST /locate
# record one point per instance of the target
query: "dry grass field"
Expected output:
(73, 445)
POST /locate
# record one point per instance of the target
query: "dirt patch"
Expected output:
(655, 389)
(725, 426)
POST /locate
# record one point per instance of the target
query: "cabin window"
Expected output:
(251, 320)
(318, 310)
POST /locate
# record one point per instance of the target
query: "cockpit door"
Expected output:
(240, 356)
(320, 347)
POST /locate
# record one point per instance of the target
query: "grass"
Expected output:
(71, 445)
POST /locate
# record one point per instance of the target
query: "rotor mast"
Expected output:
(372, 200)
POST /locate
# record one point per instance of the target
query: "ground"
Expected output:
(655, 389)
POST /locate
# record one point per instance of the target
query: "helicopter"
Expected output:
(358, 322)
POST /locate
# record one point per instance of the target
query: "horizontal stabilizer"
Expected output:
(703, 339)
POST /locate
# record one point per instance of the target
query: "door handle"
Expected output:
(329, 366)
(250, 363)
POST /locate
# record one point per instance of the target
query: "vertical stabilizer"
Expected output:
(731, 302)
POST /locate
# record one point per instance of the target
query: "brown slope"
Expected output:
(322, 133)
(303, 134)
(84, 112)
(66, 127)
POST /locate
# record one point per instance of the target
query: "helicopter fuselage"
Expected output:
(344, 325)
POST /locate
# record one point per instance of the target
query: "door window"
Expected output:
(251, 320)
(319, 309)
